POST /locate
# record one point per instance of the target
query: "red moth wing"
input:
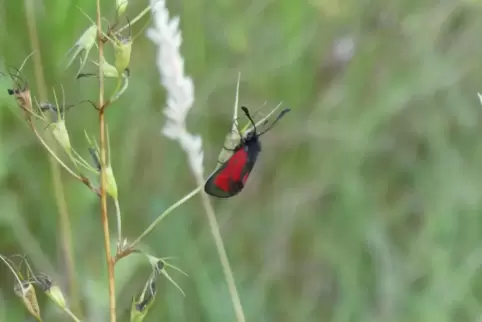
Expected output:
(230, 178)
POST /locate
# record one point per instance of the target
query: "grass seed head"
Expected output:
(27, 293)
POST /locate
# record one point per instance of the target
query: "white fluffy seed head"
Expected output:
(180, 89)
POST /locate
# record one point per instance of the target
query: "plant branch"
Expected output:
(228, 273)
(153, 225)
(137, 18)
(81, 178)
(72, 315)
(103, 195)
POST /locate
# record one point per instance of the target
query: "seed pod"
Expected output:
(59, 130)
(121, 6)
(108, 70)
(122, 51)
(83, 45)
(140, 305)
(26, 292)
(111, 186)
(51, 290)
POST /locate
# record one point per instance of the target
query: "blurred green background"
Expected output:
(365, 204)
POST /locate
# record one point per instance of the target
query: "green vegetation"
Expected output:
(365, 204)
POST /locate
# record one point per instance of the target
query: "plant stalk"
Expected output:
(103, 194)
(223, 257)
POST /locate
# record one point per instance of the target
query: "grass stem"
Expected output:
(103, 194)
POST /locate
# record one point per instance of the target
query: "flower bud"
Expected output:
(158, 267)
(111, 185)
(83, 45)
(145, 299)
(108, 70)
(56, 295)
(121, 6)
(51, 290)
(122, 51)
(61, 135)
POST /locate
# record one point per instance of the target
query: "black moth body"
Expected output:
(231, 177)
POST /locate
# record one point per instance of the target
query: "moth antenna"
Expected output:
(245, 110)
(255, 112)
(283, 113)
